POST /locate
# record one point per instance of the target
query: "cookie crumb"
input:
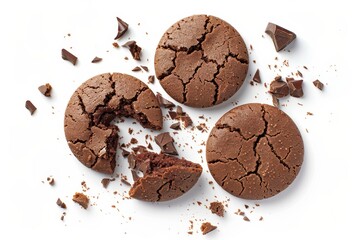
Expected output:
(81, 199)
(60, 203)
(45, 90)
(207, 227)
(217, 208)
(30, 106)
(51, 181)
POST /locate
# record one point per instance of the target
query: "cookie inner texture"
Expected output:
(91, 135)
(257, 154)
(198, 61)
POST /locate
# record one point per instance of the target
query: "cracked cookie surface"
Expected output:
(87, 124)
(201, 61)
(164, 177)
(254, 151)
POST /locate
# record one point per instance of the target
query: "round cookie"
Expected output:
(88, 129)
(254, 151)
(201, 61)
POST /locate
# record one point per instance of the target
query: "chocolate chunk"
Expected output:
(81, 199)
(116, 45)
(66, 55)
(146, 69)
(175, 126)
(61, 203)
(256, 77)
(217, 208)
(207, 227)
(246, 219)
(166, 143)
(136, 69)
(96, 60)
(279, 88)
(122, 28)
(151, 79)
(133, 141)
(173, 115)
(150, 146)
(318, 84)
(125, 153)
(45, 89)
(30, 106)
(164, 177)
(139, 149)
(179, 111)
(164, 102)
(135, 50)
(280, 36)
(295, 87)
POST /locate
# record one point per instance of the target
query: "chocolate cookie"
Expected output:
(88, 129)
(201, 61)
(254, 151)
(164, 177)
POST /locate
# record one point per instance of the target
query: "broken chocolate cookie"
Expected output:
(88, 129)
(164, 177)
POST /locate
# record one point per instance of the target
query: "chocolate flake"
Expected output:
(186, 121)
(151, 79)
(135, 50)
(166, 143)
(136, 69)
(146, 69)
(125, 153)
(279, 88)
(246, 219)
(318, 84)
(96, 60)
(175, 126)
(122, 28)
(256, 77)
(299, 73)
(45, 89)
(275, 101)
(280, 36)
(61, 203)
(30, 106)
(116, 45)
(81, 199)
(133, 141)
(207, 227)
(164, 102)
(66, 55)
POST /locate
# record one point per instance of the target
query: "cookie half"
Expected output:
(88, 129)
(164, 177)
(255, 151)
(201, 61)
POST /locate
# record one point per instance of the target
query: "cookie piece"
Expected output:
(254, 151)
(164, 177)
(92, 107)
(201, 61)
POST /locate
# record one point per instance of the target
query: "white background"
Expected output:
(323, 200)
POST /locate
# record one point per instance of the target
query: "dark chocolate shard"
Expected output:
(279, 88)
(186, 121)
(296, 89)
(318, 84)
(134, 49)
(173, 115)
(280, 36)
(151, 79)
(122, 28)
(96, 60)
(164, 102)
(60, 203)
(45, 89)
(166, 143)
(136, 69)
(30, 106)
(175, 126)
(66, 55)
(256, 77)
(275, 101)
(146, 69)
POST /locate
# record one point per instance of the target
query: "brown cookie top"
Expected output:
(93, 106)
(164, 177)
(201, 61)
(254, 151)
